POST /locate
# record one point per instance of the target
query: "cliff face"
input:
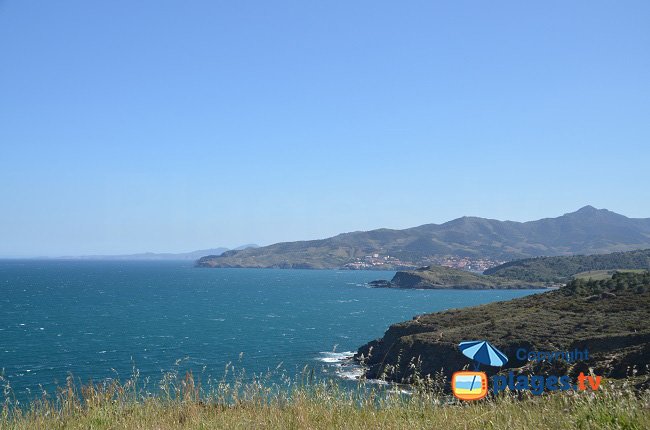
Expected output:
(614, 327)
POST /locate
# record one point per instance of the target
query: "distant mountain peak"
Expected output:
(586, 231)
(590, 211)
(588, 208)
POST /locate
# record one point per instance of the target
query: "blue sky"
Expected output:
(170, 126)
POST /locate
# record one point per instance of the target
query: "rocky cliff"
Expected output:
(612, 322)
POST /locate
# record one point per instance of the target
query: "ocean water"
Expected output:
(98, 320)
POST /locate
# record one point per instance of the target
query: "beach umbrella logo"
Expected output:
(483, 352)
(472, 385)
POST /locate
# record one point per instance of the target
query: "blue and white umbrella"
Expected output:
(483, 352)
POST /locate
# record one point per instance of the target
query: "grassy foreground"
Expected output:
(183, 403)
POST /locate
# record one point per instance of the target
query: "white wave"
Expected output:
(328, 359)
(335, 357)
(351, 373)
(341, 363)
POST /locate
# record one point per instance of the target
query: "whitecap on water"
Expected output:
(351, 372)
(342, 364)
(335, 357)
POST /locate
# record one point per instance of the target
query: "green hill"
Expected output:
(438, 277)
(559, 269)
(586, 231)
(609, 317)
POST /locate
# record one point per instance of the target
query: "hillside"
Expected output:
(439, 277)
(559, 269)
(586, 231)
(610, 317)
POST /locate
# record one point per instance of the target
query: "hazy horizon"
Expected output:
(172, 127)
(257, 244)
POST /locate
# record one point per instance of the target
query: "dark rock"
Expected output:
(381, 283)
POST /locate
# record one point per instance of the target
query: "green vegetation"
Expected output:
(587, 231)
(561, 269)
(434, 277)
(610, 317)
(183, 403)
(619, 282)
(598, 275)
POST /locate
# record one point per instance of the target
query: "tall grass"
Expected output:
(238, 401)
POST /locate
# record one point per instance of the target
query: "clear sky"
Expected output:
(130, 126)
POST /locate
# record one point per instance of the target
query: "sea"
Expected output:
(98, 320)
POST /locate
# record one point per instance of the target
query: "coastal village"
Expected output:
(388, 262)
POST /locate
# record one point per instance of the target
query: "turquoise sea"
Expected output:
(100, 319)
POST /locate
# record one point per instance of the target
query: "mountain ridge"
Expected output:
(156, 256)
(585, 231)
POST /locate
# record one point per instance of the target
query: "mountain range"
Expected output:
(585, 231)
(162, 256)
